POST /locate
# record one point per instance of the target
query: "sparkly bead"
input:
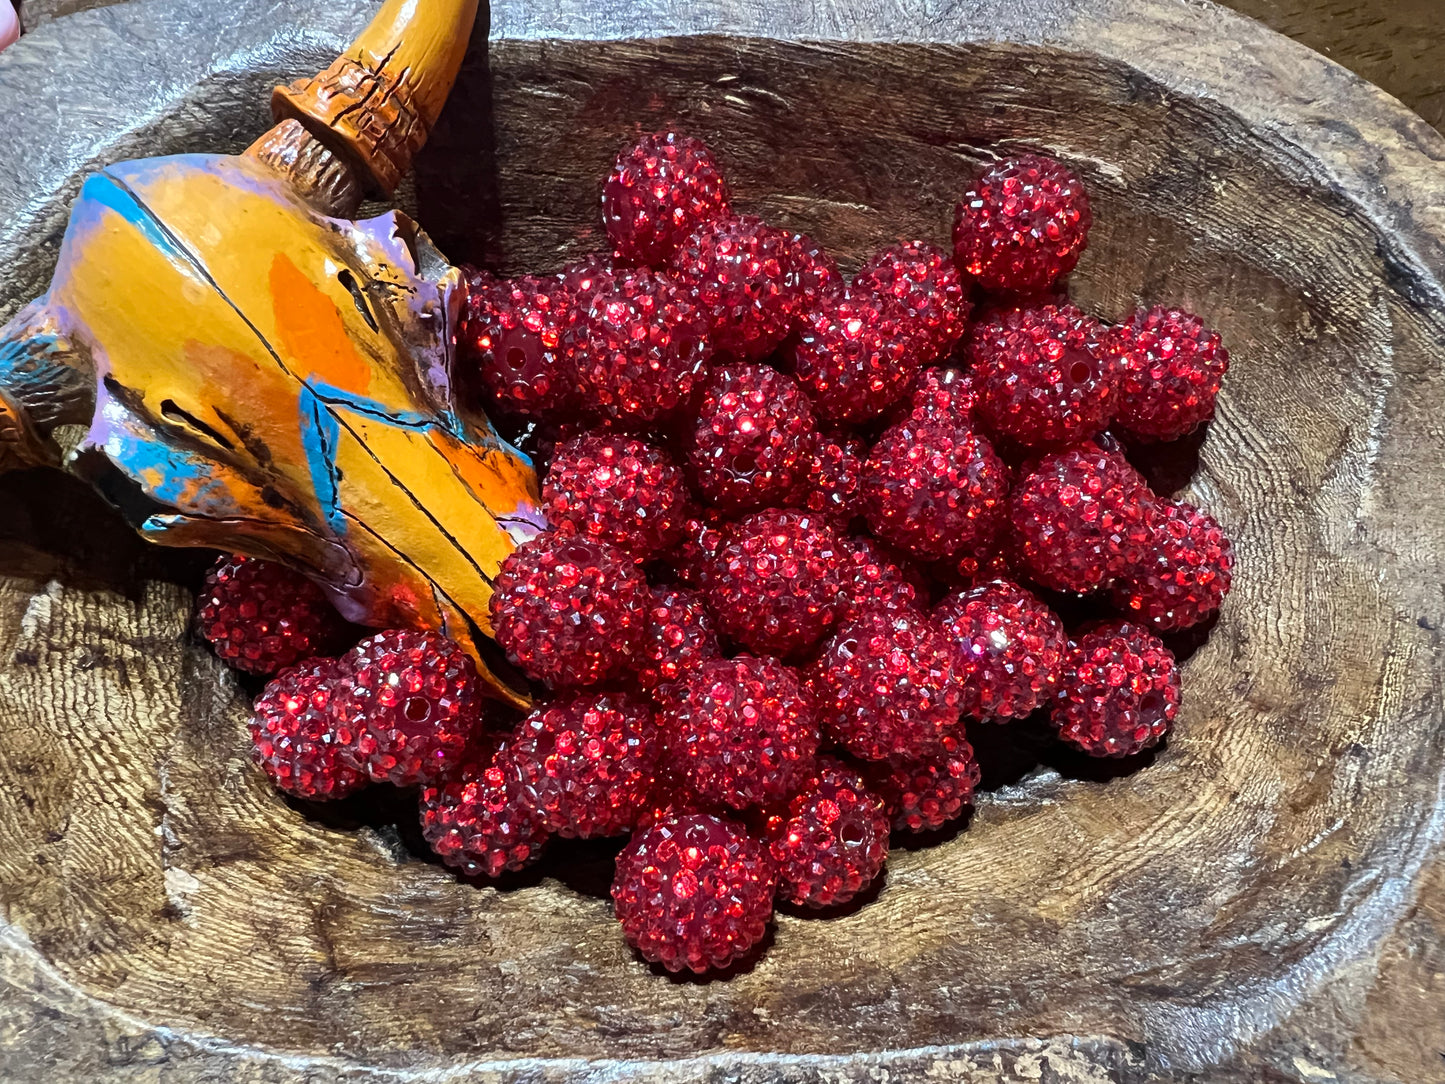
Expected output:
(924, 795)
(261, 617)
(661, 189)
(1021, 225)
(922, 281)
(680, 637)
(413, 702)
(1008, 648)
(1183, 574)
(619, 490)
(856, 354)
(777, 582)
(297, 739)
(832, 839)
(694, 892)
(740, 732)
(1119, 692)
(518, 333)
(478, 820)
(1174, 366)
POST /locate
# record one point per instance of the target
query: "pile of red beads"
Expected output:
(803, 533)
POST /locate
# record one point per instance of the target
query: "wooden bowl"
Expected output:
(1245, 908)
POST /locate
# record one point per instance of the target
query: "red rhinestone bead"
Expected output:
(694, 892)
(670, 797)
(296, 738)
(1009, 647)
(262, 617)
(478, 819)
(831, 841)
(812, 272)
(924, 795)
(833, 484)
(692, 561)
(752, 445)
(644, 349)
(1021, 225)
(519, 335)
(934, 488)
(1046, 376)
(777, 582)
(1174, 366)
(884, 686)
(414, 702)
(585, 762)
(856, 354)
(943, 395)
(679, 638)
(876, 578)
(921, 280)
(1184, 573)
(740, 732)
(568, 611)
(619, 490)
(746, 276)
(1119, 692)
(1081, 518)
(661, 189)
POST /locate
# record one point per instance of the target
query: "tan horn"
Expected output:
(376, 104)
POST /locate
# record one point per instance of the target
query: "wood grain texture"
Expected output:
(1247, 909)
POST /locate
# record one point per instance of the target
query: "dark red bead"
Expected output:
(877, 578)
(1045, 377)
(746, 276)
(519, 335)
(297, 739)
(643, 350)
(777, 581)
(478, 819)
(943, 395)
(1174, 366)
(934, 488)
(740, 732)
(1008, 647)
(1021, 225)
(694, 892)
(262, 617)
(922, 281)
(924, 795)
(620, 490)
(752, 445)
(568, 611)
(680, 637)
(856, 354)
(835, 480)
(414, 703)
(1080, 518)
(585, 762)
(832, 839)
(1119, 692)
(884, 686)
(661, 189)
(1184, 573)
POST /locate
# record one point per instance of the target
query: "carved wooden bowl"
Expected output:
(1224, 911)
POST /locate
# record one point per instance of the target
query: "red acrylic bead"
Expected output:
(479, 820)
(1021, 225)
(740, 732)
(617, 489)
(1183, 574)
(1008, 647)
(413, 701)
(1119, 691)
(694, 892)
(661, 189)
(835, 480)
(777, 582)
(831, 840)
(934, 488)
(856, 354)
(297, 739)
(585, 762)
(921, 280)
(924, 795)
(680, 637)
(262, 617)
(569, 611)
(1174, 366)
(519, 335)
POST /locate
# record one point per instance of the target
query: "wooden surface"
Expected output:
(1262, 903)
(1396, 44)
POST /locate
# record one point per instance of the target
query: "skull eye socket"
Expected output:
(347, 279)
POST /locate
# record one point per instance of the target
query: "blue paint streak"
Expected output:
(103, 191)
(319, 436)
(405, 419)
